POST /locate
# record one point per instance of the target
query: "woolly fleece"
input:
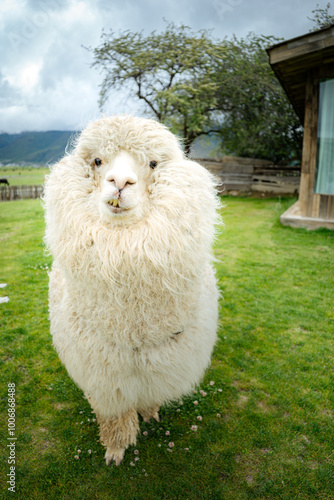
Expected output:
(122, 288)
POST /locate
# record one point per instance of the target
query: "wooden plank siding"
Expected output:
(312, 204)
(299, 65)
(307, 202)
(293, 59)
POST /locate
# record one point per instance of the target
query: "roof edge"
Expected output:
(300, 37)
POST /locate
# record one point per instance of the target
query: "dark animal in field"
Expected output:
(4, 181)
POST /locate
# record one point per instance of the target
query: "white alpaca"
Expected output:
(133, 296)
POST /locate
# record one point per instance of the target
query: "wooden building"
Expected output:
(305, 69)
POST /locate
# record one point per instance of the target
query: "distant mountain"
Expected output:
(34, 147)
(48, 147)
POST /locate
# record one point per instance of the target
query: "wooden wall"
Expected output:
(312, 204)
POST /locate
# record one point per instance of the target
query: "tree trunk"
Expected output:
(187, 143)
(186, 146)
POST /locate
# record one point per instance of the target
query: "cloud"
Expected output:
(46, 79)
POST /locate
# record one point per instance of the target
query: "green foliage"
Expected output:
(201, 86)
(172, 72)
(267, 422)
(322, 17)
(259, 121)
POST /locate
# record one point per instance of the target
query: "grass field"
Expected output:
(24, 176)
(267, 427)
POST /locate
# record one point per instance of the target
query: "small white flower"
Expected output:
(79, 451)
(132, 464)
(199, 418)
(136, 459)
(220, 390)
(167, 433)
(89, 451)
(178, 410)
(195, 403)
(171, 444)
(218, 415)
(145, 433)
(159, 445)
(194, 428)
(212, 382)
(76, 457)
(136, 452)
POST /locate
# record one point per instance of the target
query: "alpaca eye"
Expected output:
(153, 164)
(98, 162)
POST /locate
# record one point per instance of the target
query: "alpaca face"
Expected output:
(123, 186)
(123, 158)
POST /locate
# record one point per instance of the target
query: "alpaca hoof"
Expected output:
(114, 454)
(154, 415)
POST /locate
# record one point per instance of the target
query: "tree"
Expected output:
(322, 18)
(200, 86)
(172, 72)
(259, 121)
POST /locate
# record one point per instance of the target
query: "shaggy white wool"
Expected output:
(133, 298)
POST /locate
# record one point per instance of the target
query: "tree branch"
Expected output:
(141, 96)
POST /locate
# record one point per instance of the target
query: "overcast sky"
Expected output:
(46, 82)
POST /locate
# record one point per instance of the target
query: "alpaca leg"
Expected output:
(117, 434)
(149, 413)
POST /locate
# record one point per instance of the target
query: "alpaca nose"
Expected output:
(120, 180)
(121, 171)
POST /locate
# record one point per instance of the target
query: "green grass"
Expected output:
(273, 365)
(24, 176)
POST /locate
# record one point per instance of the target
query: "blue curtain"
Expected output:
(324, 181)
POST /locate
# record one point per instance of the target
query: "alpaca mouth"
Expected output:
(115, 206)
(114, 202)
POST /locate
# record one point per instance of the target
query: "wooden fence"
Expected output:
(9, 193)
(252, 175)
(245, 175)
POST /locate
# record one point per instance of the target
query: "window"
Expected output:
(324, 176)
